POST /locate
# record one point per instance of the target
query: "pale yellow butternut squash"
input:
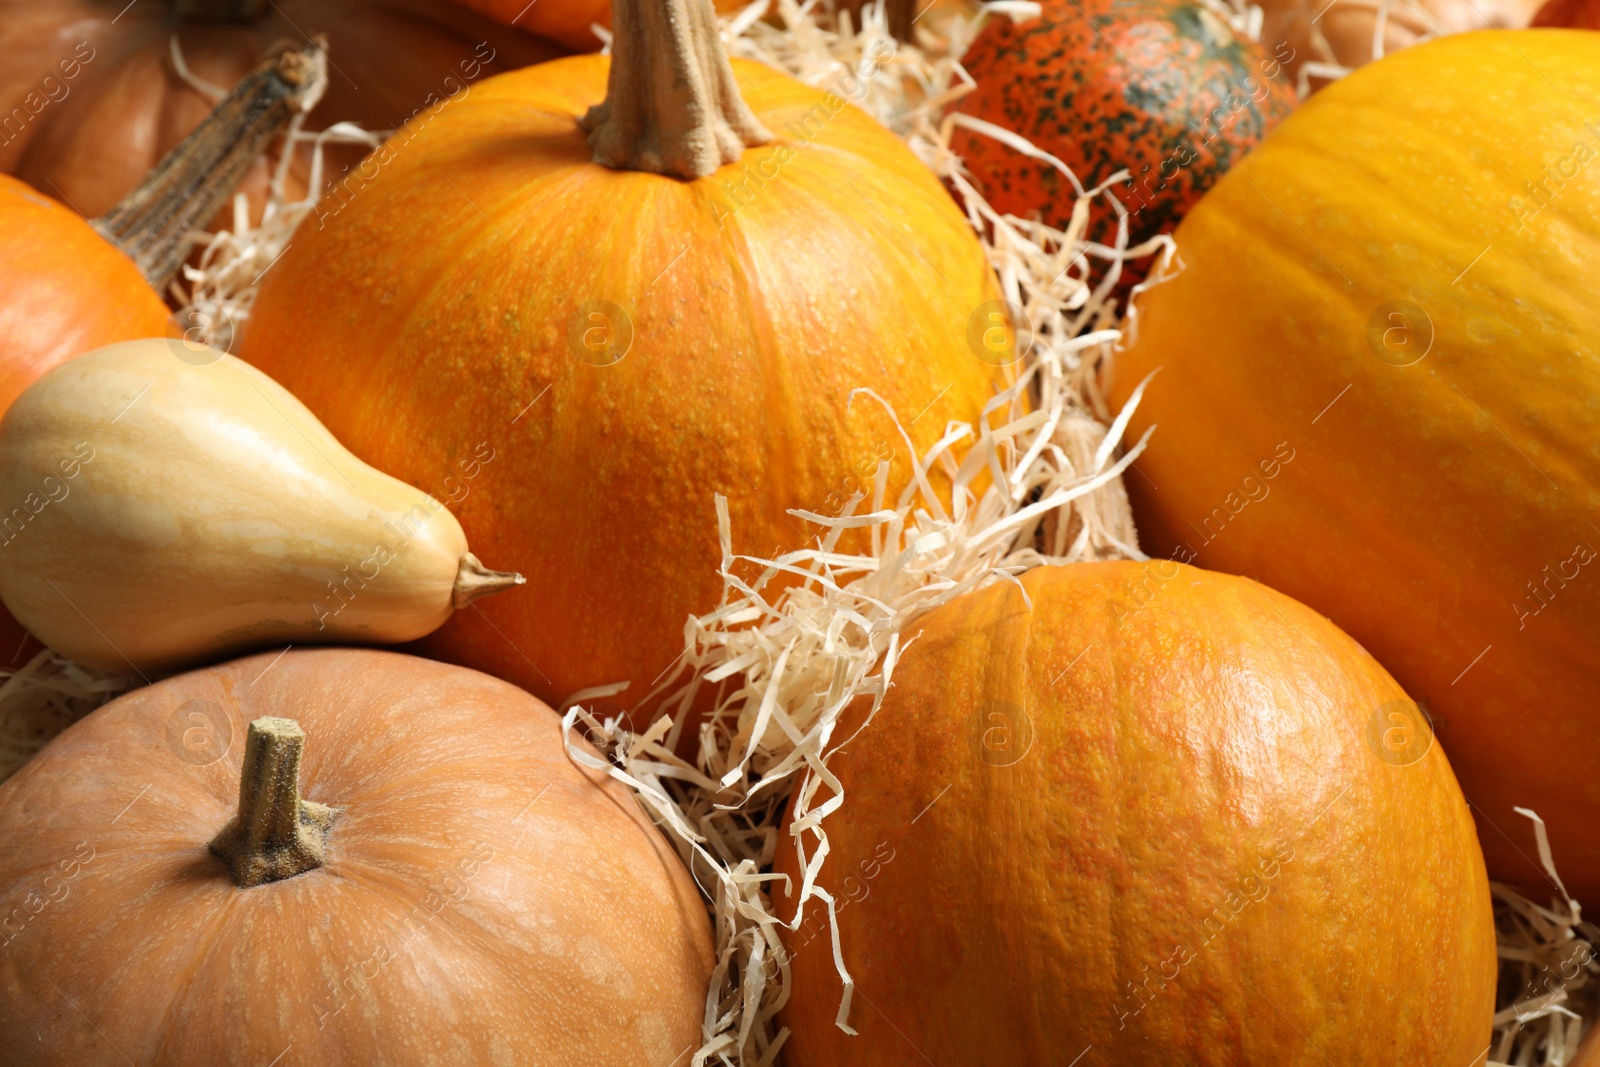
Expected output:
(163, 504)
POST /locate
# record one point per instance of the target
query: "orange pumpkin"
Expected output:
(68, 289)
(1569, 14)
(444, 884)
(1148, 815)
(631, 344)
(89, 98)
(567, 21)
(1378, 393)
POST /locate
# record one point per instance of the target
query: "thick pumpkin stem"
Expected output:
(671, 104)
(155, 225)
(276, 835)
(474, 580)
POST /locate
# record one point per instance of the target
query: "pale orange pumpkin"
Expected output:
(452, 888)
(632, 344)
(1140, 815)
(90, 100)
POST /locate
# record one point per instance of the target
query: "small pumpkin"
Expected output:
(173, 502)
(91, 100)
(1160, 88)
(1140, 814)
(633, 343)
(1378, 394)
(358, 856)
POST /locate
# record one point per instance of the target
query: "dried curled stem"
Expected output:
(671, 104)
(156, 224)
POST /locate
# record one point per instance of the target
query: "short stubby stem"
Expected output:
(474, 580)
(276, 835)
(155, 225)
(671, 104)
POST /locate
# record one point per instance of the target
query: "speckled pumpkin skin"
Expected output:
(1161, 88)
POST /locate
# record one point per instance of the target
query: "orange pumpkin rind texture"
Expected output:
(482, 900)
(1148, 820)
(1380, 394)
(626, 346)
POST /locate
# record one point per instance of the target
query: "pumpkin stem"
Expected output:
(155, 225)
(474, 580)
(219, 10)
(671, 105)
(276, 835)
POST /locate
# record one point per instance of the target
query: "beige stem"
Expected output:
(671, 104)
(474, 580)
(155, 225)
(276, 835)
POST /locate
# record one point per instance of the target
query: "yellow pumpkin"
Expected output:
(633, 343)
(1380, 393)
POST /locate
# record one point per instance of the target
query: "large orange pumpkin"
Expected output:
(1144, 815)
(90, 100)
(1380, 393)
(472, 896)
(629, 343)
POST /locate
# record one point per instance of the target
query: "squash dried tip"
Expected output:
(474, 580)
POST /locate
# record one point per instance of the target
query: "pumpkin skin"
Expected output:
(483, 899)
(1424, 503)
(1569, 14)
(566, 21)
(1195, 99)
(68, 290)
(125, 108)
(1189, 817)
(462, 268)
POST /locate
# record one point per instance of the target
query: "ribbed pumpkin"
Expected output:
(630, 343)
(1147, 816)
(1380, 393)
(91, 101)
(177, 891)
(1161, 88)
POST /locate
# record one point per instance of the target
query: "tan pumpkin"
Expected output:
(444, 885)
(90, 100)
